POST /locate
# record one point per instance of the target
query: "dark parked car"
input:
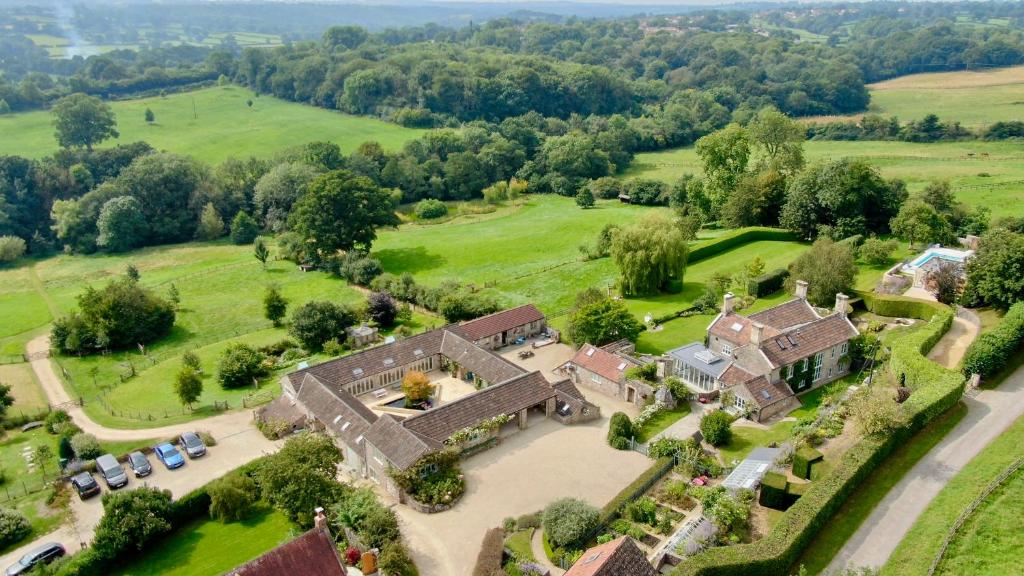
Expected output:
(169, 455)
(112, 471)
(139, 464)
(85, 484)
(43, 555)
(192, 444)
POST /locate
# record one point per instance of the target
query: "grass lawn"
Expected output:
(222, 126)
(963, 164)
(519, 543)
(210, 547)
(662, 420)
(831, 538)
(1000, 546)
(24, 487)
(746, 438)
(28, 395)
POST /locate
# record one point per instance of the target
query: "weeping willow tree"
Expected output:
(651, 255)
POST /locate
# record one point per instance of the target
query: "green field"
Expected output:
(990, 543)
(210, 547)
(981, 173)
(220, 125)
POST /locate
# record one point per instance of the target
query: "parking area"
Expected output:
(231, 451)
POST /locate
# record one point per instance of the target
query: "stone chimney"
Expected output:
(842, 304)
(801, 289)
(756, 333)
(727, 304)
(320, 521)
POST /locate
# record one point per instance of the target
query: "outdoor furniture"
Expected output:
(380, 393)
(524, 354)
(521, 340)
(542, 343)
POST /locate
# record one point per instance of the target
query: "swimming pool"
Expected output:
(946, 254)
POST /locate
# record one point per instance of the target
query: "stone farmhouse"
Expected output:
(603, 369)
(333, 396)
(763, 360)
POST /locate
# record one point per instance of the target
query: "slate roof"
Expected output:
(688, 355)
(338, 410)
(505, 398)
(370, 361)
(487, 326)
(786, 315)
(620, 557)
(312, 553)
(808, 339)
(483, 363)
(401, 446)
(283, 409)
(603, 363)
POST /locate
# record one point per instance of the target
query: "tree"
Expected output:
(620, 430)
(584, 198)
(995, 274)
(302, 476)
(244, 229)
(724, 155)
(277, 191)
(173, 296)
(876, 251)
(395, 559)
(86, 446)
(191, 360)
(650, 255)
(131, 271)
(417, 387)
(122, 314)
(150, 117)
(11, 248)
(260, 251)
(14, 527)
(42, 456)
(6, 399)
(121, 224)
(875, 411)
(828, 268)
(131, 519)
(188, 386)
(240, 365)
(918, 221)
(939, 196)
(232, 497)
(430, 208)
(603, 321)
(83, 120)
(947, 282)
(341, 211)
(382, 308)
(64, 449)
(274, 305)
(716, 427)
(569, 521)
(779, 139)
(316, 322)
(211, 226)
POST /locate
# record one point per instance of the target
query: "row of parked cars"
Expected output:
(115, 476)
(113, 473)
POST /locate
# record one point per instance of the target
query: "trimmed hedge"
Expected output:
(938, 390)
(492, 551)
(899, 306)
(852, 241)
(636, 488)
(768, 283)
(988, 354)
(773, 491)
(708, 248)
(803, 460)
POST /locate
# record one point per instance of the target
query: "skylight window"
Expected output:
(782, 343)
(360, 439)
(766, 395)
(389, 361)
(357, 371)
(621, 366)
(590, 352)
(791, 341)
(418, 352)
(336, 418)
(736, 326)
(345, 426)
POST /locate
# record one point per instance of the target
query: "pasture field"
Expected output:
(212, 124)
(990, 542)
(981, 173)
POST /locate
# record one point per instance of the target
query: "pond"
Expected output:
(400, 403)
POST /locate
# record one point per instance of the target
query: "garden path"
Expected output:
(38, 349)
(537, 545)
(950, 349)
(988, 415)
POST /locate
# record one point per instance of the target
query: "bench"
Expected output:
(380, 393)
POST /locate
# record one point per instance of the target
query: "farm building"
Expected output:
(603, 369)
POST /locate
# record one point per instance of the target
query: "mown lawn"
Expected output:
(28, 395)
(831, 538)
(746, 438)
(662, 420)
(999, 547)
(213, 124)
(519, 543)
(210, 547)
(24, 487)
(981, 173)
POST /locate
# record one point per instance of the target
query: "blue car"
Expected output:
(170, 456)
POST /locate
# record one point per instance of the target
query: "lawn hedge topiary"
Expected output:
(938, 390)
(636, 488)
(988, 354)
(768, 283)
(773, 491)
(708, 248)
(803, 460)
(620, 430)
(488, 561)
(899, 306)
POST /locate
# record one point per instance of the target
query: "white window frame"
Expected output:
(817, 366)
(727, 349)
(788, 371)
(739, 402)
(844, 348)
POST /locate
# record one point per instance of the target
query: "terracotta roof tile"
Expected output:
(312, 553)
(786, 315)
(603, 363)
(808, 339)
(620, 557)
(487, 326)
(766, 393)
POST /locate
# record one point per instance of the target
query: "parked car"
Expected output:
(42, 555)
(112, 471)
(85, 485)
(139, 464)
(192, 444)
(169, 455)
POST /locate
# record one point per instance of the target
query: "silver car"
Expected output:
(112, 471)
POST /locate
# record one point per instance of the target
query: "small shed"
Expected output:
(362, 335)
(749, 473)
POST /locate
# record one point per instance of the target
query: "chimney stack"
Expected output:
(756, 333)
(801, 289)
(727, 304)
(842, 304)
